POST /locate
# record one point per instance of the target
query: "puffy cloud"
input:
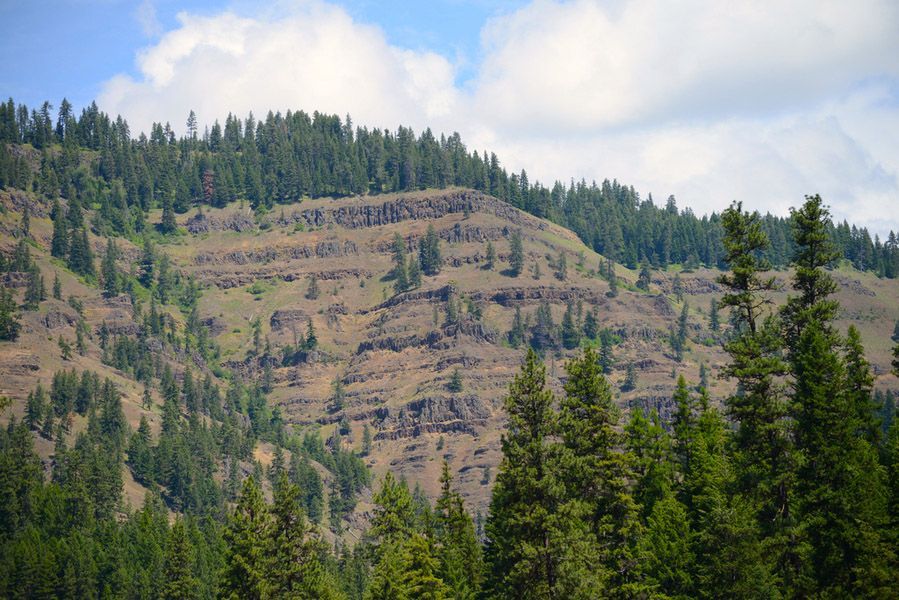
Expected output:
(710, 101)
(314, 57)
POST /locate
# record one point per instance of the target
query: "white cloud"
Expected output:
(314, 58)
(710, 101)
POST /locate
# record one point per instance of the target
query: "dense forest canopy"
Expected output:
(285, 158)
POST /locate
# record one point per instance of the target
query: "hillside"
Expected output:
(386, 360)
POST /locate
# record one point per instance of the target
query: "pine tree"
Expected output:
(645, 278)
(420, 570)
(714, 323)
(168, 224)
(571, 335)
(840, 485)
(245, 574)
(763, 456)
(108, 270)
(518, 331)
(533, 550)
(650, 446)
(455, 382)
(399, 273)
(414, 271)
(460, 553)
(491, 256)
(294, 570)
(591, 325)
(59, 246)
(606, 359)
(366, 440)
(180, 582)
(429, 252)
(81, 258)
(516, 254)
(596, 472)
(57, 287)
(630, 378)
(677, 288)
(613, 280)
(667, 546)
(35, 292)
(562, 267)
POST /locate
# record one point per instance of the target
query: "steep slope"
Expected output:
(391, 356)
(385, 361)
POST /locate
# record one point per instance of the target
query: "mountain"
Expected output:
(386, 360)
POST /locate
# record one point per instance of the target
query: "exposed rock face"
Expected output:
(855, 286)
(233, 222)
(440, 339)
(231, 279)
(324, 249)
(285, 318)
(414, 208)
(439, 414)
(14, 279)
(56, 319)
(513, 296)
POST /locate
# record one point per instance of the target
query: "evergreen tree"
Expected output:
(461, 563)
(245, 572)
(108, 270)
(491, 257)
(714, 323)
(591, 325)
(516, 254)
(518, 331)
(840, 484)
(295, 570)
(596, 472)
(168, 224)
(414, 271)
(455, 382)
(399, 273)
(180, 582)
(533, 549)
(81, 257)
(562, 267)
(571, 335)
(645, 278)
(763, 453)
(420, 570)
(429, 252)
(57, 287)
(630, 378)
(35, 291)
(606, 359)
(59, 246)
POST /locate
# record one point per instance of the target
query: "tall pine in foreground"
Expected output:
(538, 544)
(764, 460)
(842, 497)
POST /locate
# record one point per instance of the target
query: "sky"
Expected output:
(709, 101)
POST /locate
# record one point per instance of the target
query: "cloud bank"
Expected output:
(710, 101)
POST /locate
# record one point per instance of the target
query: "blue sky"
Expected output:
(753, 100)
(85, 42)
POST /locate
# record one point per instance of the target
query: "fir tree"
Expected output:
(57, 287)
(245, 573)
(516, 254)
(596, 472)
(399, 273)
(606, 359)
(180, 582)
(429, 252)
(518, 331)
(59, 246)
(562, 267)
(571, 336)
(108, 270)
(168, 224)
(764, 459)
(714, 324)
(455, 382)
(645, 278)
(490, 260)
(591, 325)
(414, 271)
(533, 550)
(630, 378)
